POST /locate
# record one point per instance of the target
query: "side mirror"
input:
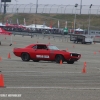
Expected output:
(35, 49)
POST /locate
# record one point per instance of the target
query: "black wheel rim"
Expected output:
(58, 59)
(25, 56)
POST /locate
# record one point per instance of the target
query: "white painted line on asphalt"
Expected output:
(19, 71)
(6, 59)
(40, 72)
(68, 88)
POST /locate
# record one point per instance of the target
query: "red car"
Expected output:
(46, 52)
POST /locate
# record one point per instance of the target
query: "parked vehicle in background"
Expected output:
(80, 38)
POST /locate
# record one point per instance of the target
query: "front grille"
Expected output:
(75, 55)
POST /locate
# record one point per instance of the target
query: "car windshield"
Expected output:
(52, 47)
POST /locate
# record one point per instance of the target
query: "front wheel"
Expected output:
(59, 58)
(70, 62)
(25, 57)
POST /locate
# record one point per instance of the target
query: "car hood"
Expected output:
(64, 52)
(61, 51)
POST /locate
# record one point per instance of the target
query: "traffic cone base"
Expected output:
(84, 70)
(1, 81)
(60, 61)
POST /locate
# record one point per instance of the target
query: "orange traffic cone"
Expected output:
(0, 58)
(60, 61)
(1, 81)
(84, 68)
(95, 53)
(37, 41)
(9, 56)
(5, 38)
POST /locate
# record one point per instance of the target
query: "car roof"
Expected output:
(37, 44)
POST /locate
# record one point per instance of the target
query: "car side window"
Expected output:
(43, 47)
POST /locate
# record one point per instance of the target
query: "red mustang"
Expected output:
(46, 52)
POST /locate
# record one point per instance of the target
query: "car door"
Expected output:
(42, 52)
(32, 52)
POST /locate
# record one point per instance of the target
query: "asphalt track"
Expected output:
(48, 80)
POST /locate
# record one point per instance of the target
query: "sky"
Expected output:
(58, 2)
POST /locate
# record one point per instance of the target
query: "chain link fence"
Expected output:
(48, 8)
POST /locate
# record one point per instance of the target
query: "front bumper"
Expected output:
(74, 57)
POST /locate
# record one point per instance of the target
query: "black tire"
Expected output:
(25, 57)
(58, 58)
(70, 62)
(36, 60)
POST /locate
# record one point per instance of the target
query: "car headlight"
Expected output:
(70, 54)
(79, 55)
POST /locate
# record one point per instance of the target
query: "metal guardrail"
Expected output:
(48, 36)
(49, 8)
(51, 36)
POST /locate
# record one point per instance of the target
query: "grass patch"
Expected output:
(81, 20)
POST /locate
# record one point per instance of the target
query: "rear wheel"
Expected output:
(59, 58)
(70, 62)
(25, 57)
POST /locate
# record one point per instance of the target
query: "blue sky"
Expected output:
(59, 2)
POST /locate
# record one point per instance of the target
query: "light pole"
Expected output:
(81, 7)
(36, 13)
(16, 6)
(36, 6)
(89, 19)
(0, 6)
(75, 17)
